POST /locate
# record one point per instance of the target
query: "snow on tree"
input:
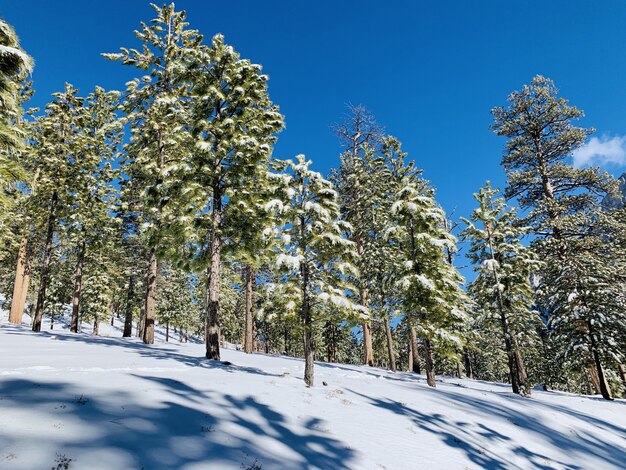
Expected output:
(157, 112)
(560, 201)
(315, 258)
(357, 180)
(502, 290)
(431, 287)
(233, 130)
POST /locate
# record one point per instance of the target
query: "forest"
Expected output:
(165, 204)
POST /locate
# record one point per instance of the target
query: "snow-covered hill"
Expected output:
(83, 402)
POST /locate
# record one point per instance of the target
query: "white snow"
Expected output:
(113, 403)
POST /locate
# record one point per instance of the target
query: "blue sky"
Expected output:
(429, 71)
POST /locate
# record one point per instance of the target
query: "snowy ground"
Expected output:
(112, 403)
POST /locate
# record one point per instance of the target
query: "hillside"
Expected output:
(109, 403)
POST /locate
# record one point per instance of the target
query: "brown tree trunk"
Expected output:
(20, 286)
(128, 319)
(415, 353)
(331, 342)
(469, 371)
(248, 341)
(368, 350)
(45, 265)
(167, 332)
(150, 301)
(307, 318)
(390, 351)
(142, 321)
(429, 363)
(96, 326)
(78, 285)
(605, 390)
(212, 304)
(309, 347)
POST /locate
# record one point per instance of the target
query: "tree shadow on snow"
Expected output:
(474, 438)
(117, 429)
(162, 352)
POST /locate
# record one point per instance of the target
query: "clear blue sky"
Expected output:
(429, 71)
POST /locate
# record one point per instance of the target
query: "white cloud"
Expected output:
(601, 151)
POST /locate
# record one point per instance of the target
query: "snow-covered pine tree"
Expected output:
(15, 65)
(254, 220)
(588, 299)
(316, 257)
(430, 286)
(502, 290)
(157, 112)
(90, 221)
(175, 306)
(234, 125)
(357, 181)
(559, 200)
(56, 144)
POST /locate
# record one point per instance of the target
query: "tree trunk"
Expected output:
(309, 354)
(307, 320)
(150, 302)
(390, 351)
(96, 326)
(45, 265)
(167, 332)
(622, 375)
(78, 285)
(331, 342)
(128, 319)
(605, 390)
(142, 321)
(430, 365)
(212, 304)
(368, 350)
(248, 342)
(469, 371)
(20, 286)
(52, 320)
(415, 353)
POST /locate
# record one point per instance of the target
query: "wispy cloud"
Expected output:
(601, 151)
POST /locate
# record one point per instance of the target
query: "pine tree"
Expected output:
(15, 65)
(356, 181)
(233, 125)
(93, 195)
(316, 257)
(502, 288)
(560, 201)
(175, 306)
(56, 145)
(156, 107)
(430, 286)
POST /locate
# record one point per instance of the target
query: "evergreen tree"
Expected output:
(502, 288)
(56, 145)
(430, 286)
(561, 201)
(157, 111)
(233, 126)
(93, 195)
(356, 180)
(316, 257)
(15, 65)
